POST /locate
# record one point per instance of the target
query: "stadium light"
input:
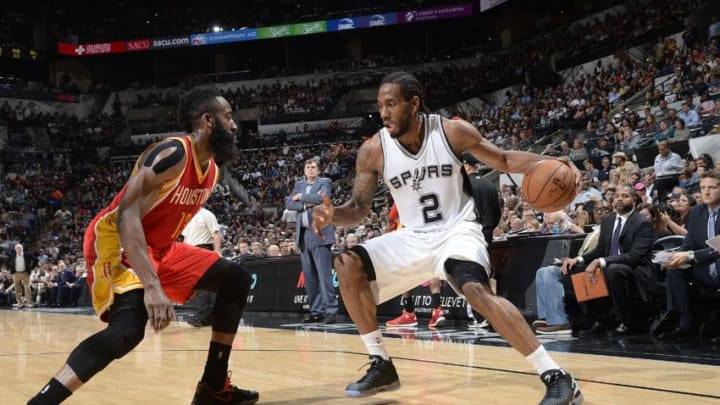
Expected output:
(216, 28)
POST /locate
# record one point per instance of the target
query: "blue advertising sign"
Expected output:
(223, 37)
(343, 24)
(378, 20)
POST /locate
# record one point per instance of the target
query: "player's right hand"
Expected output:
(322, 215)
(159, 308)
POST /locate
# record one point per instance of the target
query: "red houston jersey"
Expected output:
(177, 202)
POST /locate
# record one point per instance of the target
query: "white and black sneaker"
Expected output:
(381, 376)
(561, 388)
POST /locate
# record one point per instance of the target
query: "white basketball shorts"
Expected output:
(405, 258)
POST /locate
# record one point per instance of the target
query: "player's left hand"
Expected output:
(322, 215)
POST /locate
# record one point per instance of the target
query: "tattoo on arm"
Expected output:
(359, 204)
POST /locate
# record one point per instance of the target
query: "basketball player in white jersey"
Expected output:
(418, 157)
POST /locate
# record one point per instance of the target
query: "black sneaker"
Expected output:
(561, 388)
(229, 395)
(381, 376)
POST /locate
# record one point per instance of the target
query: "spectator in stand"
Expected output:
(668, 165)
(603, 147)
(604, 171)
(624, 253)
(564, 149)
(592, 172)
(578, 151)
(705, 261)
(682, 133)
(623, 166)
(552, 316)
(652, 214)
(666, 133)
(707, 105)
(689, 115)
(551, 151)
(661, 113)
(5, 283)
(586, 192)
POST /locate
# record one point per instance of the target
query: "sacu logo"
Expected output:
(254, 281)
(336, 284)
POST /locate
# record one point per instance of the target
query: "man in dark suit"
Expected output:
(624, 252)
(703, 224)
(315, 253)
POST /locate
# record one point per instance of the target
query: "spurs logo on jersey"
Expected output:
(418, 175)
(428, 186)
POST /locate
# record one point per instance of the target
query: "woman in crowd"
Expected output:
(666, 133)
(681, 131)
(653, 215)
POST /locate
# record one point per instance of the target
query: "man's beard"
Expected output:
(222, 143)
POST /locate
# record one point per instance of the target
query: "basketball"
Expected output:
(549, 185)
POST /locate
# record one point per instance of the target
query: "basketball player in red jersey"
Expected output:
(418, 157)
(138, 268)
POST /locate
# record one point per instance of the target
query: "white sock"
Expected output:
(541, 360)
(374, 343)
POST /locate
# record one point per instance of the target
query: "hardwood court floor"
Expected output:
(312, 367)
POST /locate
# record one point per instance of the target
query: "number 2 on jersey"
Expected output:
(431, 206)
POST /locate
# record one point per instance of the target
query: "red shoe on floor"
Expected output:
(229, 395)
(404, 320)
(438, 319)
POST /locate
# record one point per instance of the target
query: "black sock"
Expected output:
(216, 365)
(435, 300)
(50, 394)
(409, 304)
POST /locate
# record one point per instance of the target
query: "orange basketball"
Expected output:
(549, 185)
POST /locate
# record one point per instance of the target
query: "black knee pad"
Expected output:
(461, 272)
(237, 280)
(125, 330)
(231, 296)
(225, 275)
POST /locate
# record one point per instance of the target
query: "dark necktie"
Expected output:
(615, 244)
(712, 268)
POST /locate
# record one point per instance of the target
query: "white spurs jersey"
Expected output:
(427, 187)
